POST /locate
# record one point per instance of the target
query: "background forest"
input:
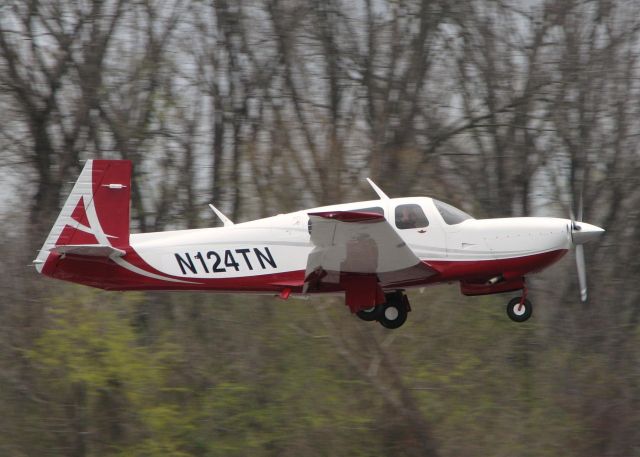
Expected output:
(500, 107)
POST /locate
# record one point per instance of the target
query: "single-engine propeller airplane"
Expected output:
(372, 251)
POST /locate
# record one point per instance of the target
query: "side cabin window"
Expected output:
(410, 216)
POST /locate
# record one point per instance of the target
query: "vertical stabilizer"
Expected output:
(96, 211)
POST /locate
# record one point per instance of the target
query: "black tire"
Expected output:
(370, 314)
(393, 315)
(515, 313)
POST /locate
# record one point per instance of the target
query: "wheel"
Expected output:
(370, 314)
(393, 314)
(517, 312)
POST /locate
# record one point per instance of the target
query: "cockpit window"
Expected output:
(451, 214)
(410, 216)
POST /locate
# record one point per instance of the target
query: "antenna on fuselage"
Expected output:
(381, 194)
(225, 220)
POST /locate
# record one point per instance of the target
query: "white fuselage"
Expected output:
(282, 243)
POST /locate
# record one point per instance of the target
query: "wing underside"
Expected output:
(359, 251)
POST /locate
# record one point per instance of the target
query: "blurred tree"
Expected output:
(504, 107)
(53, 58)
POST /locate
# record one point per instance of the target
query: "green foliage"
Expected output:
(212, 375)
(277, 391)
(482, 383)
(173, 396)
(89, 357)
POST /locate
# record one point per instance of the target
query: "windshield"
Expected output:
(451, 214)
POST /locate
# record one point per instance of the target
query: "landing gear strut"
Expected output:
(520, 309)
(391, 314)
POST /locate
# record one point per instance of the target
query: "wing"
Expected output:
(359, 243)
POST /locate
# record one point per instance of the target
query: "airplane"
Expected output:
(371, 252)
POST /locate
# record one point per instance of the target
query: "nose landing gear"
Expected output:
(519, 309)
(390, 314)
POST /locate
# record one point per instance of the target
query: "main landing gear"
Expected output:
(391, 314)
(519, 309)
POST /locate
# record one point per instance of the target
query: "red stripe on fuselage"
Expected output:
(105, 274)
(514, 267)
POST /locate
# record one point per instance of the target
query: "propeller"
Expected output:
(582, 272)
(582, 232)
(580, 265)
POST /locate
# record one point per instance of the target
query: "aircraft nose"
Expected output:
(583, 232)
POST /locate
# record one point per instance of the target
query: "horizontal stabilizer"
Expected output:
(89, 250)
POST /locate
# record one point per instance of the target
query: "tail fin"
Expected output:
(96, 211)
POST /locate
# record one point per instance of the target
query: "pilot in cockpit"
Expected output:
(408, 218)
